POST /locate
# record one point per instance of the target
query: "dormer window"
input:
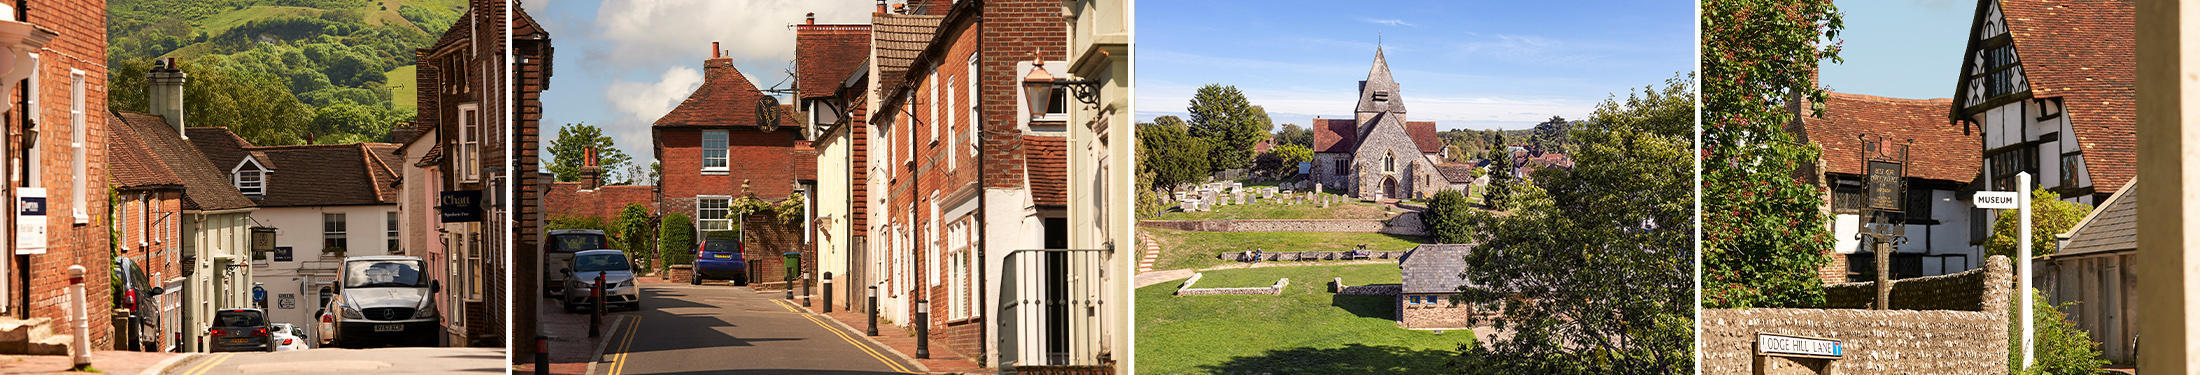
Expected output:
(250, 177)
(1382, 95)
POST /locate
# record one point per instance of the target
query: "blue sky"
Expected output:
(621, 64)
(1903, 49)
(1463, 64)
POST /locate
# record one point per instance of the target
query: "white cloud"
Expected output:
(1391, 22)
(666, 32)
(646, 101)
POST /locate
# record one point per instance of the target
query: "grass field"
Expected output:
(1339, 208)
(403, 88)
(1306, 330)
(1187, 249)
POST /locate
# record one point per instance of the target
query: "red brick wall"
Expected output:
(567, 199)
(765, 160)
(765, 240)
(82, 44)
(151, 235)
(1014, 31)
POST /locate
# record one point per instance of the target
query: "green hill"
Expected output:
(347, 64)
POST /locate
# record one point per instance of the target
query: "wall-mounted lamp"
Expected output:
(1039, 83)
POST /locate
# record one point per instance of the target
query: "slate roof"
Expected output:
(1456, 172)
(2083, 51)
(726, 99)
(309, 175)
(206, 186)
(1937, 151)
(897, 39)
(1434, 268)
(2112, 227)
(1335, 135)
(826, 54)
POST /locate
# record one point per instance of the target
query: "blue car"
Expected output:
(720, 258)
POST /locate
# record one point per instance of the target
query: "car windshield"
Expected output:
(239, 319)
(600, 262)
(567, 243)
(387, 273)
(719, 246)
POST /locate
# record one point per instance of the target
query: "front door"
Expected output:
(1390, 187)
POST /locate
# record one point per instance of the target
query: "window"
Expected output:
(76, 148)
(958, 248)
(1342, 167)
(251, 182)
(1390, 162)
(714, 151)
(2070, 170)
(711, 213)
(1848, 194)
(2005, 165)
(332, 231)
(932, 107)
(469, 142)
(392, 225)
(970, 91)
(949, 127)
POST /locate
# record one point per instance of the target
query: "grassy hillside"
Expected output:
(347, 63)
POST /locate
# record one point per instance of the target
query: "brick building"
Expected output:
(531, 74)
(724, 142)
(460, 121)
(55, 91)
(831, 64)
(1377, 153)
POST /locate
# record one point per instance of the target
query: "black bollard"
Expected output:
(542, 355)
(595, 308)
(924, 330)
(806, 296)
(873, 329)
(828, 292)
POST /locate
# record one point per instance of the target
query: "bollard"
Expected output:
(873, 329)
(828, 292)
(595, 308)
(924, 330)
(82, 350)
(806, 296)
(542, 355)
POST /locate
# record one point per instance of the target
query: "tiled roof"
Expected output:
(1937, 151)
(133, 165)
(897, 40)
(221, 147)
(826, 54)
(1424, 135)
(329, 175)
(2112, 227)
(206, 185)
(1046, 161)
(1335, 135)
(2082, 51)
(1434, 268)
(726, 99)
(1456, 173)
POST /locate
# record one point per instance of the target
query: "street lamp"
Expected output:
(1039, 85)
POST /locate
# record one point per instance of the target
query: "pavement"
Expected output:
(571, 350)
(379, 361)
(903, 341)
(683, 329)
(107, 361)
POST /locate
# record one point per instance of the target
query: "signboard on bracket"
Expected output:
(1883, 186)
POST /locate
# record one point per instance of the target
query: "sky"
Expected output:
(621, 64)
(1908, 49)
(1463, 64)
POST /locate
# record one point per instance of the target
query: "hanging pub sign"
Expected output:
(263, 239)
(30, 221)
(462, 206)
(1884, 162)
(767, 113)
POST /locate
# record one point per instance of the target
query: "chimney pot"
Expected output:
(714, 50)
(810, 19)
(901, 8)
(881, 6)
(164, 91)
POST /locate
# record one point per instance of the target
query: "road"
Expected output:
(347, 361)
(717, 329)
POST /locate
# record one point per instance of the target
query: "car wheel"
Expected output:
(694, 279)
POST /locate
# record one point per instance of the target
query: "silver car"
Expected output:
(384, 301)
(618, 280)
(557, 253)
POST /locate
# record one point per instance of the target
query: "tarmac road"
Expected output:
(347, 361)
(717, 329)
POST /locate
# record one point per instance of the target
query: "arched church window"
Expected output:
(1390, 161)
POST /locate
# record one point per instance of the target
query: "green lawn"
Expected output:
(1307, 330)
(403, 87)
(1339, 208)
(1188, 249)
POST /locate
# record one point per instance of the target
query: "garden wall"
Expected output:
(1970, 335)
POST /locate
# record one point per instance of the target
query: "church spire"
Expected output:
(1379, 93)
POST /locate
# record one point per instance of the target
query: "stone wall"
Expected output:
(1973, 340)
(1407, 224)
(1274, 256)
(1441, 313)
(1956, 291)
(1271, 290)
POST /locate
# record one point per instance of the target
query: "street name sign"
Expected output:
(2001, 200)
(1797, 346)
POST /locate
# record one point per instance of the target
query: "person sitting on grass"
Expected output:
(1256, 255)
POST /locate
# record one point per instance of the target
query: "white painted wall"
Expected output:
(366, 233)
(1951, 236)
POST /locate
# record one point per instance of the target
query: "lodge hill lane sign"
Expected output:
(1797, 346)
(462, 206)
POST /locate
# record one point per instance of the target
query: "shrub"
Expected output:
(2060, 348)
(677, 236)
(1446, 217)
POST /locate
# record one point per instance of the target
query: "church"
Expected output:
(1377, 154)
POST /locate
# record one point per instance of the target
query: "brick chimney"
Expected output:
(591, 174)
(881, 7)
(718, 66)
(165, 89)
(809, 19)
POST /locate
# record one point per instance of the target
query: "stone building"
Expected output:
(725, 142)
(1427, 297)
(1377, 153)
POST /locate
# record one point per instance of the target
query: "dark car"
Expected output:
(136, 292)
(557, 253)
(720, 258)
(240, 330)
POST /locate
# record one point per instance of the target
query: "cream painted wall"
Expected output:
(300, 228)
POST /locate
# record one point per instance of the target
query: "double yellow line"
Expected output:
(618, 361)
(844, 336)
(208, 364)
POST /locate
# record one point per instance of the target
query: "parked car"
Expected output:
(720, 258)
(136, 295)
(287, 338)
(557, 254)
(240, 330)
(325, 324)
(384, 301)
(618, 280)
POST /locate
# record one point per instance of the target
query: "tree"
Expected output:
(1501, 167)
(2058, 347)
(1226, 121)
(1763, 236)
(2050, 216)
(634, 227)
(258, 107)
(1592, 270)
(1550, 136)
(1174, 157)
(568, 151)
(676, 237)
(1282, 161)
(1292, 134)
(1447, 216)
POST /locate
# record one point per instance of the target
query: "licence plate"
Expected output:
(722, 256)
(239, 340)
(389, 328)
